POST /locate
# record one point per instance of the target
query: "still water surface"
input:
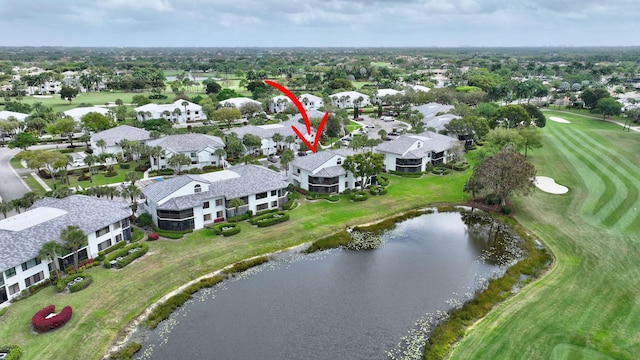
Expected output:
(335, 304)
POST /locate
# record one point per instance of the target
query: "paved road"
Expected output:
(11, 186)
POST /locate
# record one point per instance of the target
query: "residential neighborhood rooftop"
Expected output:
(5, 115)
(114, 135)
(431, 142)
(22, 235)
(314, 161)
(187, 142)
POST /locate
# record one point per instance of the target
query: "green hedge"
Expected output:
(113, 248)
(383, 180)
(359, 196)
(234, 228)
(86, 281)
(127, 257)
(169, 234)
(269, 219)
(288, 204)
(125, 166)
(13, 351)
(407, 175)
(376, 190)
(136, 235)
(241, 217)
(329, 197)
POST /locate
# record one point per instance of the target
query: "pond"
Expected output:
(340, 304)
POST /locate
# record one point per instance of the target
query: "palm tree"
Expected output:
(157, 152)
(132, 192)
(101, 143)
(17, 205)
(177, 113)
(90, 160)
(5, 207)
(74, 238)
(132, 177)
(277, 138)
(383, 134)
(185, 104)
(285, 159)
(290, 139)
(236, 203)
(221, 153)
(50, 251)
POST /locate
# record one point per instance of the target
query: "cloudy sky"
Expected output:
(361, 23)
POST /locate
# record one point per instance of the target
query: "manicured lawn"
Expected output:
(588, 306)
(99, 178)
(16, 164)
(34, 184)
(116, 297)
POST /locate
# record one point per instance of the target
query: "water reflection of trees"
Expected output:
(497, 242)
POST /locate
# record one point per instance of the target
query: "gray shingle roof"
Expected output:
(313, 161)
(114, 135)
(88, 213)
(431, 109)
(331, 171)
(187, 142)
(431, 142)
(246, 180)
(267, 131)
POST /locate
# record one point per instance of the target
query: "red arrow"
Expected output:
(303, 112)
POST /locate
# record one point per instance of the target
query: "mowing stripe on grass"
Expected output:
(620, 216)
(609, 196)
(623, 217)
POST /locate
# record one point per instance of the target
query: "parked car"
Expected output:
(302, 153)
(370, 126)
(393, 133)
(273, 159)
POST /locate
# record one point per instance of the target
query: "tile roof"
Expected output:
(88, 213)
(114, 135)
(187, 142)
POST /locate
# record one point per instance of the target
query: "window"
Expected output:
(14, 289)
(116, 225)
(197, 188)
(298, 171)
(274, 192)
(262, 206)
(219, 214)
(118, 238)
(103, 245)
(9, 273)
(274, 204)
(193, 155)
(346, 184)
(102, 231)
(218, 202)
(34, 279)
(339, 161)
(29, 264)
(207, 217)
(261, 195)
(205, 205)
(1, 279)
(124, 223)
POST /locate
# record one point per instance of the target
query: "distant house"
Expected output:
(113, 136)
(346, 99)
(78, 113)
(322, 172)
(381, 93)
(278, 104)
(412, 152)
(194, 201)
(436, 116)
(420, 88)
(5, 115)
(310, 101)
(238, 102)
(266, 132)
(105, 223)
(179, 112)
(200, 148)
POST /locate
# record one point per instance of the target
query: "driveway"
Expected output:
(11, 185)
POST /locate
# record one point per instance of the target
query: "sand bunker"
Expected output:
(549, 185)
(560, 120)
(42, 96)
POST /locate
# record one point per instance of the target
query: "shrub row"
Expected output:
(226, 229)
(440, 171)
(113, 248)
(136, 235)
(359, 196)
(111, 174)
(127, 352)
(162, 311)
(86, 281)
(31, 290)
(41, 324)
(269, 219)
(240, 217)
(211, 168)
(329, 197)
(288, 204)
(162, 172)
(84, 265)
(170, 234)
(125, 166)
(127, 257)
(13, 351)
(376, 190)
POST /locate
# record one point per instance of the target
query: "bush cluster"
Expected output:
(383, 180)
(77, 286)
(142, 168)
(406, 174)
(226, 229)
(127, 352)
(152, 236)
(440, 170)
(240, 217)
(359, 196)
(13, 351)
(136, 235)
(84, 177)
(493, 199)
(41, 324)
(211, 168)
(113, 248)
(125, 166)
(126, 256)
(376, 190)
(269, 219)
(162, 172)
(169, 234)
(195, 171)
(111, 173)
(329, 197)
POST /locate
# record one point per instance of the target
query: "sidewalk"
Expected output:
(41, 182)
